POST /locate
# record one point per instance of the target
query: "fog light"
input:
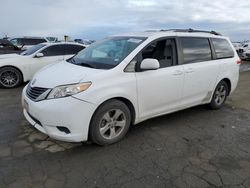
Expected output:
(63, 129)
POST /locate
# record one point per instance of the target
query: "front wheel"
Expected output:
(220, 95)
(10, 77)
(110, 123)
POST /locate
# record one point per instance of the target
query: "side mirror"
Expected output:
(150, 64)
(39, 55)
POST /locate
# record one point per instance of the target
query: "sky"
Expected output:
(96, 19)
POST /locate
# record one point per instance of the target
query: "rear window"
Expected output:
(222, 48)
(72, 49)
(195, 49)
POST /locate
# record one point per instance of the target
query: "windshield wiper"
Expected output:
(72, 60)
(87, 65)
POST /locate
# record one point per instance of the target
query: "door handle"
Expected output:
(189, 70)
(177, 73)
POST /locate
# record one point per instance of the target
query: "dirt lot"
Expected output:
(196, 147)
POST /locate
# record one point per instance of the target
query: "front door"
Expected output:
(51, 54)
(160, 91)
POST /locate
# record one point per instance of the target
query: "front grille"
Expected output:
(248, 55)
(34, 92)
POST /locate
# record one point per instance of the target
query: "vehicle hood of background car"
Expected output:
(8, 56)
(62, 73)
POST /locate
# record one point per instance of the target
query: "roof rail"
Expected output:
(190, 30)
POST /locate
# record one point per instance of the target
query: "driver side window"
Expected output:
(56, 50)
(163, 50)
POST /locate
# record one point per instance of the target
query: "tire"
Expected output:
(110, 123)
(10, 77)
(220, 95)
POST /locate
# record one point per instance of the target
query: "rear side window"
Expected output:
(72, 49)
(195, 49)
(56, 50)
(222, 48)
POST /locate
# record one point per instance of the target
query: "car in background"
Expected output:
(126, 79)
(244, 51)
(16, 69)
(245, 55)
(244, 47)
(237, 46)
(26, 42)
(84, 41)
(6, 47)
(52, 39)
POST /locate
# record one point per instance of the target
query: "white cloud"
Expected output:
(80, 17)
(139, 3)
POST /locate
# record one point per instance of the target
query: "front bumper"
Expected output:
(68, 112)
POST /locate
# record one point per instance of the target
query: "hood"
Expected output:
(8, 56)
(62, 73)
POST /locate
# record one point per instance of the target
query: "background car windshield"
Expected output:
(33, 49)
(107, 53)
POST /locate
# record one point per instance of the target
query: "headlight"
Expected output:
(68, 90)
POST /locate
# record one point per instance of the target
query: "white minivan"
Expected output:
(126, 79)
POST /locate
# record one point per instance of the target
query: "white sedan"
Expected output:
(16, 69)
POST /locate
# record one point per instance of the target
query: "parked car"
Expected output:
(244, 51)
(237, 46)
(6, 47)
(126, 79)
(244, 47)
(246, 54)
(52, 39)
(26, 42)
(85, 41)
(16, 69)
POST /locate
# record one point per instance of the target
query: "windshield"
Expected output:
(107, 53)
(33, 49)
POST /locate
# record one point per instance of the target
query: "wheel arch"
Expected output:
(19, 70)
(229, 84)
(126, 101)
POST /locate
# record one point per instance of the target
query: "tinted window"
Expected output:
(55, 50)
(72, 49)
(195, 49)
(164, 51)
(32, 41)
(222, 48)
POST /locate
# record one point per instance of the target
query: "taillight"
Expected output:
(239, 61)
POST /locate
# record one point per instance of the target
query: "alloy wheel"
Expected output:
(9, 78)
(220, 95)
(112, 124)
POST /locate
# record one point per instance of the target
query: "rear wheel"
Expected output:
(110, 123)
(10, 77)
(220, 95)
